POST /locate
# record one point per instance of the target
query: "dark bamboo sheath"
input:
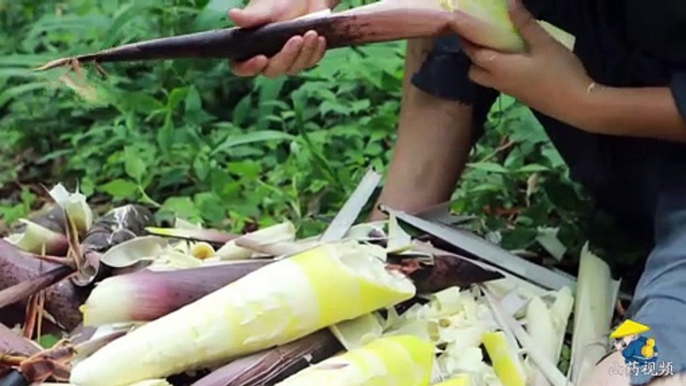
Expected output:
(24, 289)
(450, 271)
(353, 27)
(62, 299)
(13, 344)
(187, 286)
(271, 366)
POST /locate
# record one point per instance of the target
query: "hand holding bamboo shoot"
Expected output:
(486, 23)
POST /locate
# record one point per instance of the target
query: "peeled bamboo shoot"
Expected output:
(464, 380)
(274, 305)
(506, 361)
(397, 360)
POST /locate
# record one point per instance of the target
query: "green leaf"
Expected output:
(532, 168)
(125, 15)
(210, 207)
(486, 188)
(214, 15)
(48, 340)
(165, 134)
(87, 187)
(14, 92)
(201, 166)
(183, 207)
(490, 167)
(252, 137)
(193, 100)
(141, 102)
(242, 110)
(245, 169)
(133, 164)
(269, 91)
(176, 96)
(553, 156)
(120, 188)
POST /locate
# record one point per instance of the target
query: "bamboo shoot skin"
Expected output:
(353, 27)
(396, 360)
(62, 300)
(146, 295)
(13, 344)
(274, 305)
(276, 364)
(450, 271)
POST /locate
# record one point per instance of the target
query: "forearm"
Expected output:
(632, 112)
(434, 139)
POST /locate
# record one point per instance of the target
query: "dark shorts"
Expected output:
(641, 182)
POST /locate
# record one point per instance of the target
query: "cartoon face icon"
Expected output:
(627, 332)
(623, 342)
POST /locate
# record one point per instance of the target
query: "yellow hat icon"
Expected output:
(629, 327)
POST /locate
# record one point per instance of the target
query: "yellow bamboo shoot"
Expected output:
(401, 360)
(463, 380)
(506, 361)
(493, 28)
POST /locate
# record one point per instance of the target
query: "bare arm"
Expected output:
(434, 139)
(649, 112)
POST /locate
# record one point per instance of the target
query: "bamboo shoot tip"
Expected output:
(54, 64)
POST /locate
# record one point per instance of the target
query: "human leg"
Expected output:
(604, 375)
(659, 302)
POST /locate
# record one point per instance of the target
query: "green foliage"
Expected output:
(190, 137)
(519, 179)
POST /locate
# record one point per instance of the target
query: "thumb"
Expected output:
(258, 12)
(527, 25)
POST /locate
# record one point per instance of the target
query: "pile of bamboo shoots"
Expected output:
(138, 304)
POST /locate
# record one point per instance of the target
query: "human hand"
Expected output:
(298, 54)
(548, 77)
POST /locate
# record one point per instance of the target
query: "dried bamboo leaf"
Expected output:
(482, 249)
(350, 211)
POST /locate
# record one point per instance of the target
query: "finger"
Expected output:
(258, 12)
(480, 76)
(466, 26)
(532, 32)
(307, 50)
(469, 48)
(319, 52)
(281, 62)
(250, 67)
(482, 57)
